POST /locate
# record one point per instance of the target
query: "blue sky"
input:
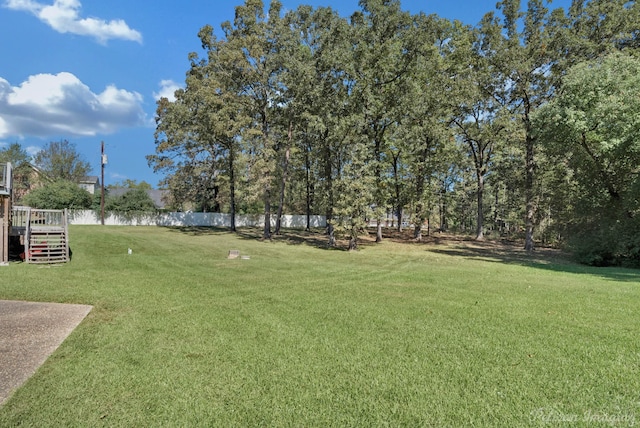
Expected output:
(91, 70)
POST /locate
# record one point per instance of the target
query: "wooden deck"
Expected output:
(44, 233)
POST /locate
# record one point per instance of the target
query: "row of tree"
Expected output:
(526, 119)
(49, 180)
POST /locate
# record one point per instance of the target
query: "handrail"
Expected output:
(21, 216)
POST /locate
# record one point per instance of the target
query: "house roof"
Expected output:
(89, 179)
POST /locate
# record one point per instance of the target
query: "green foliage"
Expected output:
(133, 200)
(283, 108)
(19, 159)
(59, 160)
(58, 195)
(607, 242)
(15, 154)
(593, 126)
(356, 190)
(131, 184)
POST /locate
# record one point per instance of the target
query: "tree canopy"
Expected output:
(366, 118)
(60, 160)
(19, 158)
(592, 127)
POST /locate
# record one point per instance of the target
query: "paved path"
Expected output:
(29, 333)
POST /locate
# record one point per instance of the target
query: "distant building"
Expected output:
(90, 183)
(159, 197)
(27, 177)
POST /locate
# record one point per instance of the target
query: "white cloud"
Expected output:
(60, 105)
(167, 90)
(64, 17)
(32, 150)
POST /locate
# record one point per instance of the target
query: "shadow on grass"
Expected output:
(316, 238)
(199, 230)
(542, 258)
(451, 245)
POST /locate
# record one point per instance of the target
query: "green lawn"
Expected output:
(298, 335)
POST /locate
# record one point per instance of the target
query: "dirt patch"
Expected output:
(449, 243)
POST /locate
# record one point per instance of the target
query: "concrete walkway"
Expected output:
(29, 333)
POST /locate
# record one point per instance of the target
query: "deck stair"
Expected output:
(44, 233)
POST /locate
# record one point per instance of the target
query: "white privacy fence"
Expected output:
(89, 217)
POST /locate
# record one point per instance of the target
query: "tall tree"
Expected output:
(22, 171)
(15, 154)
(61, 161)
(593, 125)
(526, 61)
(197, 135)
(253, 43)
(424, 127)
(480, 107)
(383, 56)
(356, 188)
(319, 80)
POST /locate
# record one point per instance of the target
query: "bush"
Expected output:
(608, 243)
(58, 195)
(134, 200)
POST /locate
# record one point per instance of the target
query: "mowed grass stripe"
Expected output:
(396, 334)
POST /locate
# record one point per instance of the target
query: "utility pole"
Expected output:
(103, 162)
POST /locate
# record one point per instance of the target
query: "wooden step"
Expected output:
(47, 246)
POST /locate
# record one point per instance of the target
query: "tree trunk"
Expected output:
(331, 234)
(443, 210)
(309, 189)
(397, 188)
(353, 243)
(283, 181)
(308, 210)
(418, 216)
(378, 172)
(267, 212)
(267, 187)
(232, 190)
(328, 173)
(417, 232)
(480, 219)
(530, 206)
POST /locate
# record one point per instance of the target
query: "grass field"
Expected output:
(437, 334)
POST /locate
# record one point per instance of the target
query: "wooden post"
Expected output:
(5, 211)
(5, 216)
(102, 163)
(27, 237)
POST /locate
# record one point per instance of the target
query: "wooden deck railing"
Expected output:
(37, 219)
